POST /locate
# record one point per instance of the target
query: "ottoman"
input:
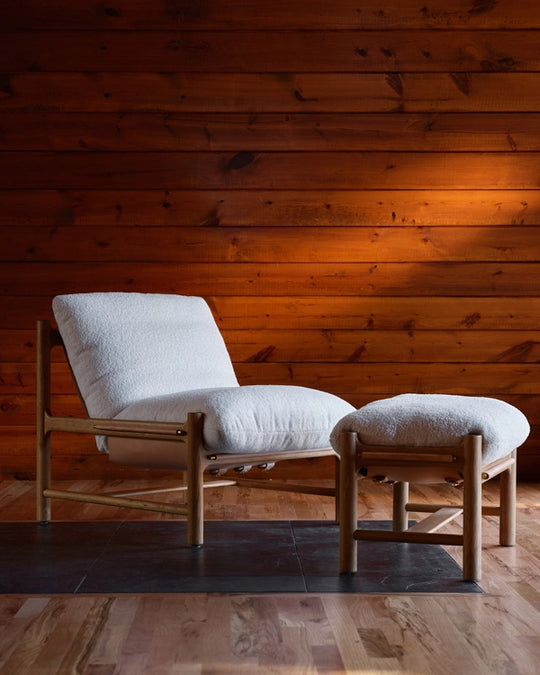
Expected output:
(430, 438)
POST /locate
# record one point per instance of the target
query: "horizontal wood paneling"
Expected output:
(278, 171)
(300, 15)
(274, 92)
(354, 187)
(240, 51)
(271, 279)
(387, 379)
(346, 244)
(383, 347)
(381, 313)
(434, 132)
(290, 208)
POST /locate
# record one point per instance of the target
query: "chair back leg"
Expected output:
(43, 404)
(194, 479)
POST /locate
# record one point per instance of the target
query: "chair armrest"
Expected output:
(124, 428)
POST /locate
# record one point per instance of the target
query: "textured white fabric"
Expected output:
(254, 418)
(437, 420)
(157, 357)
(123, 347)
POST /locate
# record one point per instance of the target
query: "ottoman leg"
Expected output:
(400, 519)
(472, 509)
(348, 497)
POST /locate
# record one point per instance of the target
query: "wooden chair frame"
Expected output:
(189, 431)
(466, 460)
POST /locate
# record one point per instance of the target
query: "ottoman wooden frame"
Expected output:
(465, 458)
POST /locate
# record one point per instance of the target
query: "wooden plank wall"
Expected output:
(353, 186)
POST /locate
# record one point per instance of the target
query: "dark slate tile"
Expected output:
(318, 546)
(235, 555)
(383, 567)
(53, 558)
(249, 532)
(238, 557)
(373, 583)
(148, 583)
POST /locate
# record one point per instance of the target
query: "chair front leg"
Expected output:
(195, 475)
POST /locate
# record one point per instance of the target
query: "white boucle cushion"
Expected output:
(251, 419)
(437, 420)
(124, 347)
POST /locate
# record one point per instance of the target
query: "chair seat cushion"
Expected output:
(248, 419)
(438, 420)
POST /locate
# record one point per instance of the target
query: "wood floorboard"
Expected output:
(490, 633)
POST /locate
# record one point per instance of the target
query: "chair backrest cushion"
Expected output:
(124, 347)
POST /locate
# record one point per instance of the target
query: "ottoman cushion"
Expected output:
(437, 420)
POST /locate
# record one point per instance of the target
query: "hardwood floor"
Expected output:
(495, 632)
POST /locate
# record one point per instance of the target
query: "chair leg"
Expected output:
(43, 477)
(507, 523)
(472, 509)
(195, 489)
(348, 497)
(43, 438)
(400, 519)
